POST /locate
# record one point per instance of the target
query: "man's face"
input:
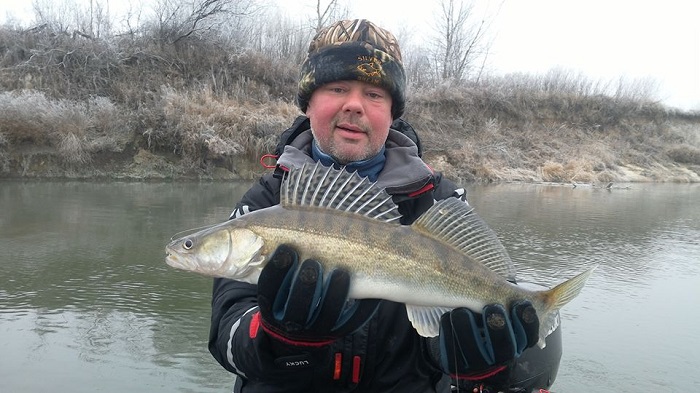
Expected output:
(350, 120)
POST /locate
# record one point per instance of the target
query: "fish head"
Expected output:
(221, 251)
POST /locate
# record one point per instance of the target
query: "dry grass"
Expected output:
(205, 130)
(514, 131)
(73, 149)
(74, 129)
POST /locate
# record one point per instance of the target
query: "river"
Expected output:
(87, 303)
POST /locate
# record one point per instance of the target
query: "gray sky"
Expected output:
(601, 39)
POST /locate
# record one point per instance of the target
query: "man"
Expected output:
(283, 335)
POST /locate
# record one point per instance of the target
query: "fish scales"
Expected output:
(448, 258)
(367, 249)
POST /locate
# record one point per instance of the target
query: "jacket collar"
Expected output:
(404, 171)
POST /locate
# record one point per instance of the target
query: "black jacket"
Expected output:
(386, 355)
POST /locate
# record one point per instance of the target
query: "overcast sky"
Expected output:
(601, 39)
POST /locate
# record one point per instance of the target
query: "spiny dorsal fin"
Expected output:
(323, 187)
(454, 222)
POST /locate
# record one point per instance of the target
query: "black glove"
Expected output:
(474, 346)
(298, 307)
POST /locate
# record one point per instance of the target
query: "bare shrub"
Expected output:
(684, 154)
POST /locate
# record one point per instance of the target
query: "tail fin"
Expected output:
(556, 298)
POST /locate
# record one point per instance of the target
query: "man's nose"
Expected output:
(353, 102)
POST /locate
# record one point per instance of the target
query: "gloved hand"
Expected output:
(298, 307)
(474, 346)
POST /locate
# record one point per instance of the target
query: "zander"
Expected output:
(447, 258)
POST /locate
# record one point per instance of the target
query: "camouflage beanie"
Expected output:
(354, 50)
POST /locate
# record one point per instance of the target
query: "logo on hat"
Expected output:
(371, 68)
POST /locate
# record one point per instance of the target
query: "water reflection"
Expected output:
(87, 302)
(558, 229)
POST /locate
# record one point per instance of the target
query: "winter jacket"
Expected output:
(386, 354)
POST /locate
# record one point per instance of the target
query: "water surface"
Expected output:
(632, 328)
(87, 303)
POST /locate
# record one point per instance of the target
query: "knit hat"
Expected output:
(354, 50)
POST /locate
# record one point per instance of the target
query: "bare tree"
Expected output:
(179, 19)
(131, 20)
(96, 24)
(323, 13)
(458, 43)
(70, 18)
(329, 13)
(55, 15)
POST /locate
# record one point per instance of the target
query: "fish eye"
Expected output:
(187, 244)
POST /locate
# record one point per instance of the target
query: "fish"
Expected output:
(447, 258)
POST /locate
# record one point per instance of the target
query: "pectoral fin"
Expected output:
(426, 320)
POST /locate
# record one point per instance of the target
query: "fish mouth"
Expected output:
(174, 259)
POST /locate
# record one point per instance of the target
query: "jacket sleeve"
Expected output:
(446, 188)
(231, 302)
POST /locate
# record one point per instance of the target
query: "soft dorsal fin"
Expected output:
(454, 222)
(319, 186)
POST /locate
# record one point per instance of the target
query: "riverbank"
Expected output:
(460, 138)
(142, 108)
(573, 164)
